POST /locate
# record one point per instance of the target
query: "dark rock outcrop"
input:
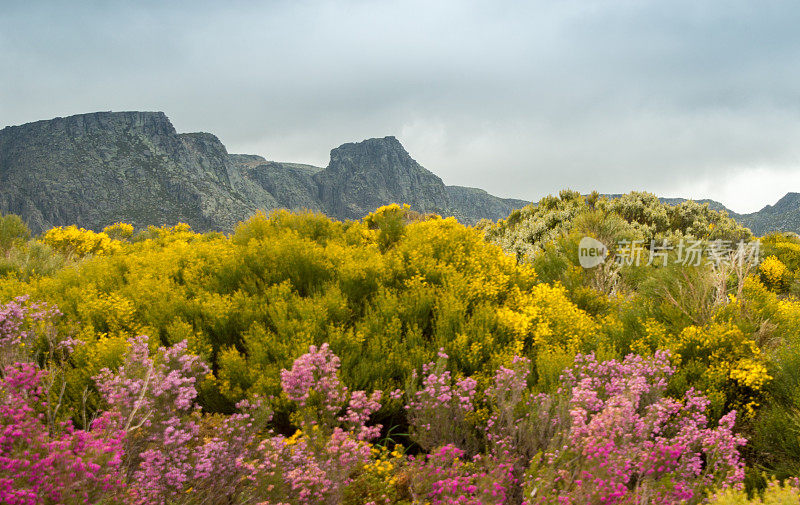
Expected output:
(365, 175)
(783, 216)
(95, 169)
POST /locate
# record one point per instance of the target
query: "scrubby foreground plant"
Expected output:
(625, 442)
(153, 445)
(608, 435)
(42, 459)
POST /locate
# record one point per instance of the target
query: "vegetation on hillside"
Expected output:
(403, 358)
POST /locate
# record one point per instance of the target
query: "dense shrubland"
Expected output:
(403, 358)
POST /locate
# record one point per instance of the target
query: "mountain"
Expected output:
(99, 168)
(783, 216)
(365, 175)
(96, 169)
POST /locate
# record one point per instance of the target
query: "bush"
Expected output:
(626, 442)
(13, 231)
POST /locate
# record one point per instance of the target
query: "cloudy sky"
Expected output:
(681, 98)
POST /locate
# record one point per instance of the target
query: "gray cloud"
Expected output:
(522, 99)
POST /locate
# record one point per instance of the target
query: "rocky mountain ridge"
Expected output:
(784, 216)
(95, 169)
(99, 168)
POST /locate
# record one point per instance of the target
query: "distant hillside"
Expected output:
(95, 169)
(784, 216)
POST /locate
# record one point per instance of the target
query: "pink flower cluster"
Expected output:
(146, 390)
(315, 371)
(314, 384)
(17, 335)
(438, 410)
(38, 466)
(315, 465)
(313, 468)
(154, 396)
(444, 477)
(520, 424)
(624, 440)
(15, 316)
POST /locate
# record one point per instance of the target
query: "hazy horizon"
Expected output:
(522, 100)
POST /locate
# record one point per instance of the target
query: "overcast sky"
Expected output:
(697, 99)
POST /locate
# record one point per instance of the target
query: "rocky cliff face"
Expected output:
(363, 176)
(472, 204)
(292, 185)
(783, 216)
(95, 169)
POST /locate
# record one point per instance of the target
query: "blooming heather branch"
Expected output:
(155, 399)
(18, 320)
(439, 410)
(68, 466)
(627, 442)
(316, 464)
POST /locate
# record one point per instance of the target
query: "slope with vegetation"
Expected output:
(403, 358)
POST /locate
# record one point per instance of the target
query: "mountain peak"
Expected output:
(153, 123)
(788, 198)
(373, 148)
(789, 201)
(364, 175)
(98, 168)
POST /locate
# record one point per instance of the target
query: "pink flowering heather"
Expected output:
(520, 424)
(310, 469)
(18, 320)
(37, 466)
(145, 390)
(314, 372)
(444, 477)
(155, 399)
(438, 411)
(314, 384)
(627, 443)
(317, 463)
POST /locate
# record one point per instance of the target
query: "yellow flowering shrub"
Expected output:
(390, 221)
(377, 481)
(79, 241)
(252, 302)
(119, 231)
(722, 361)
(544, 318)
(655, 336)
(774, 494)
(774, 274)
